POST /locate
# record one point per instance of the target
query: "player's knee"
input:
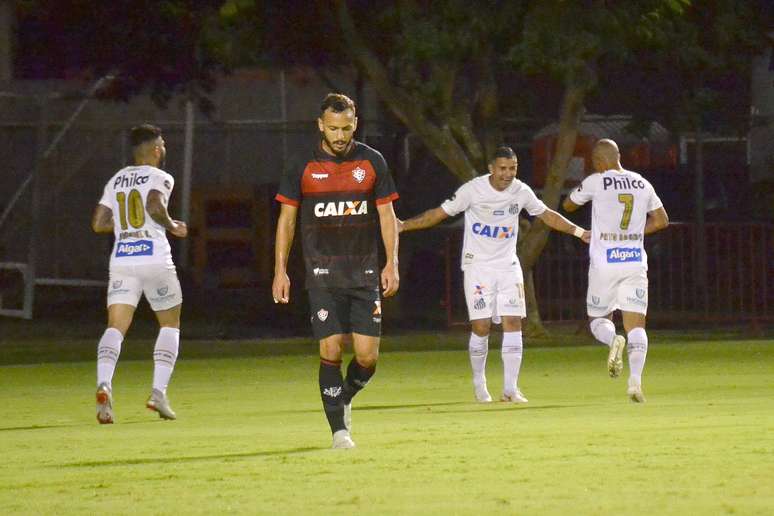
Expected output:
(481, 327)
(330, 350)
(367, 360)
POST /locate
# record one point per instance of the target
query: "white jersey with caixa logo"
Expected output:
(139, 239)
(492, 220)
(621, 201)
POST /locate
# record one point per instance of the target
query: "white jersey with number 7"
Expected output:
(621, 201)
(139, 239)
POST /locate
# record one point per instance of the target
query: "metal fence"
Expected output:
(738, 286)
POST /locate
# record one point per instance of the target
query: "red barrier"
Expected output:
(738, 284)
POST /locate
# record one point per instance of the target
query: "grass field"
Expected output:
(251, 437)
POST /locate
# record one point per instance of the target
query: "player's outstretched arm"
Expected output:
(156, 207)
(389, 228)
(424, 220)
(555, 221)
(102, 219)
(286, 230)
(657, 220)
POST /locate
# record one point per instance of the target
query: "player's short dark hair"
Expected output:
(337, 102)
(504, 151)
(143, 133)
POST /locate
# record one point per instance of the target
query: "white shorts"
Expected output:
(615, 289)
(159, 283)
(494, 293)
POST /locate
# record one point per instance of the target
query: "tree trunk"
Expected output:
(534, 239)
(533, 326)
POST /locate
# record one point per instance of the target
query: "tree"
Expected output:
(697, 84)
(440, 76)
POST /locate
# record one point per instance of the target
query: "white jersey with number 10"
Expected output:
(621, 201)
(139, 239)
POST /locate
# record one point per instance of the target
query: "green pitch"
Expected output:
(251, 437)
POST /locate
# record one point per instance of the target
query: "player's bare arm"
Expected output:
(424, 220)
(157, 209)
(389, 228)
(102, 219)
(657, 220)
(286, 229)
(555, 221)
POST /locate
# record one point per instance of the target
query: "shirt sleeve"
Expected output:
(162, 182)
(459, 202)
(384, 189)
(585, 191)
(533, 205)
(106, 199)
(290, 185)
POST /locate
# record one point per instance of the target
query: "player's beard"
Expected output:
(162, 159)
(335, 150)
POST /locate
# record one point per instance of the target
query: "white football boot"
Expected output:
(514, 397)
(635, 393)
(342, 440)
(159, 402)
(615, 356)
(482, 393)
(104, 404)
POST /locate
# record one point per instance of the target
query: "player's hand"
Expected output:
(180, 229)
(390, 280)
(400, 225)
(586, 236)
(280, 288)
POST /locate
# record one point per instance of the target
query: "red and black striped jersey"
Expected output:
(337, 198)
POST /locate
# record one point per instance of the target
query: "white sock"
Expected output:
(478, 347)
(637, 346)
(164, 357)
(511, 352)
(108, 350)
(603, 330)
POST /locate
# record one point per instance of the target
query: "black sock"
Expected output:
(331, 390)
(357, 378)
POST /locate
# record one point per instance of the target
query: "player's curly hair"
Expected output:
(337, 102)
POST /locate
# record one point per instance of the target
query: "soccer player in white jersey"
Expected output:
(494, 283)
(625, 208)
(134, 207)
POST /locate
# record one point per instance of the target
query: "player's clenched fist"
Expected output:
(280, 288)
(390, 280)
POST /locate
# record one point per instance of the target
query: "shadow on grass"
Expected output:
(500, 407)
(167, 460)
(358, 408)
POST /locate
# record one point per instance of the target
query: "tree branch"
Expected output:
(439, 140)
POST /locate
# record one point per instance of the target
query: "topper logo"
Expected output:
(340, 208)
(493, 231)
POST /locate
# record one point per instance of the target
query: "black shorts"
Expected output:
(345, 310)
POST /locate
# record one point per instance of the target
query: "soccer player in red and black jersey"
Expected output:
(344, 192)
